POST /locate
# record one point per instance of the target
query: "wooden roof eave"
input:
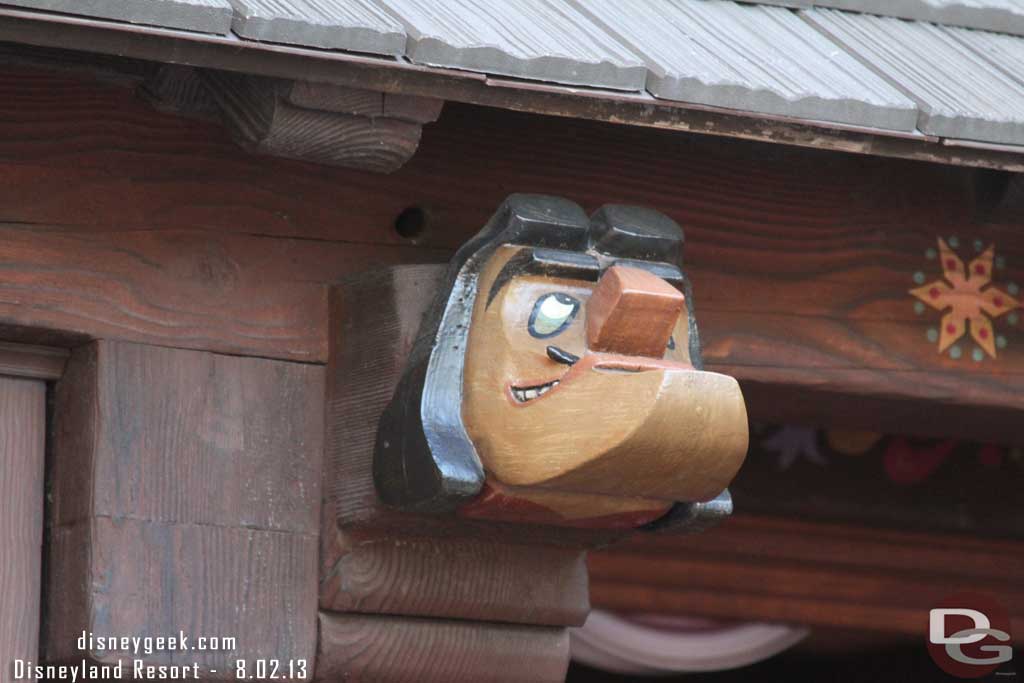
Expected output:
(396, 75)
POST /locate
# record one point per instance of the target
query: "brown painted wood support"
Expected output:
(319, 122)
(326, 124)
(426, 598)
(459, 578)
(778, 569)
(186, 497)
(22, 438)
(183, 288)
(804, 260)
(385, 649)
(37, 362)
(180, 90)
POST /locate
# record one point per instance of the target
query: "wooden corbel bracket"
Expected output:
(317, 122)
(490, 420)
(550, 375)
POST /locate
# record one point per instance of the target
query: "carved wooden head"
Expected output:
(558, 378)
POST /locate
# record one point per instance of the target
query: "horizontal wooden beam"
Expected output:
(360, 647)
(484, 579)
(396, 75)
(37, 362)
(815, 573)
(240, 294)
(455, 578)
(121, 222)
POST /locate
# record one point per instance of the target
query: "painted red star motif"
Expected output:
(968, 297)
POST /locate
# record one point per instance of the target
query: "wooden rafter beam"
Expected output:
(802, 261)
(815, 573)
(326, 124)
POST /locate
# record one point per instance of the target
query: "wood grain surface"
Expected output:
(264, 120)
(373, 103)
(801, 260)
(38, 362)
(177, 89)
(451, 578)
(192, 479)
(804, 571)
(404, 650)
(22, 441)
(238, 294)
(203, 580)
(137, 168)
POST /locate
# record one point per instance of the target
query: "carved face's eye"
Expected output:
(671, 343)
(552, 313)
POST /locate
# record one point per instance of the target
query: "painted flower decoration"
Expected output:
(968, 297)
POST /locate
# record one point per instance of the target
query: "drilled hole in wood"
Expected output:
(411, 223)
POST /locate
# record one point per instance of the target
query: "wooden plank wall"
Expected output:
(186, 496)
(22, 439)
(124, 222)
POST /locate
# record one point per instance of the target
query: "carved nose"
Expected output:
(632, 312)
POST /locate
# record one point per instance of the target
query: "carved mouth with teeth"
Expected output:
(524, 394)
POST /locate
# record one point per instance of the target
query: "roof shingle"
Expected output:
(990, 15)
(206, 16)
(547, 40)
(356, 25)
(959, 92)
(762, 59)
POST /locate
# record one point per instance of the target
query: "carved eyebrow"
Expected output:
(550, 262)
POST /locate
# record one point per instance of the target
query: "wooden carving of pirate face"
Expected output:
(558, 378)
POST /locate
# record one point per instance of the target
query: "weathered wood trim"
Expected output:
(22, 453)
(37, 362)
(384, 649)
(238, 294)
(484, 579)
(179, 90)
(454, 578)
(311, 122)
